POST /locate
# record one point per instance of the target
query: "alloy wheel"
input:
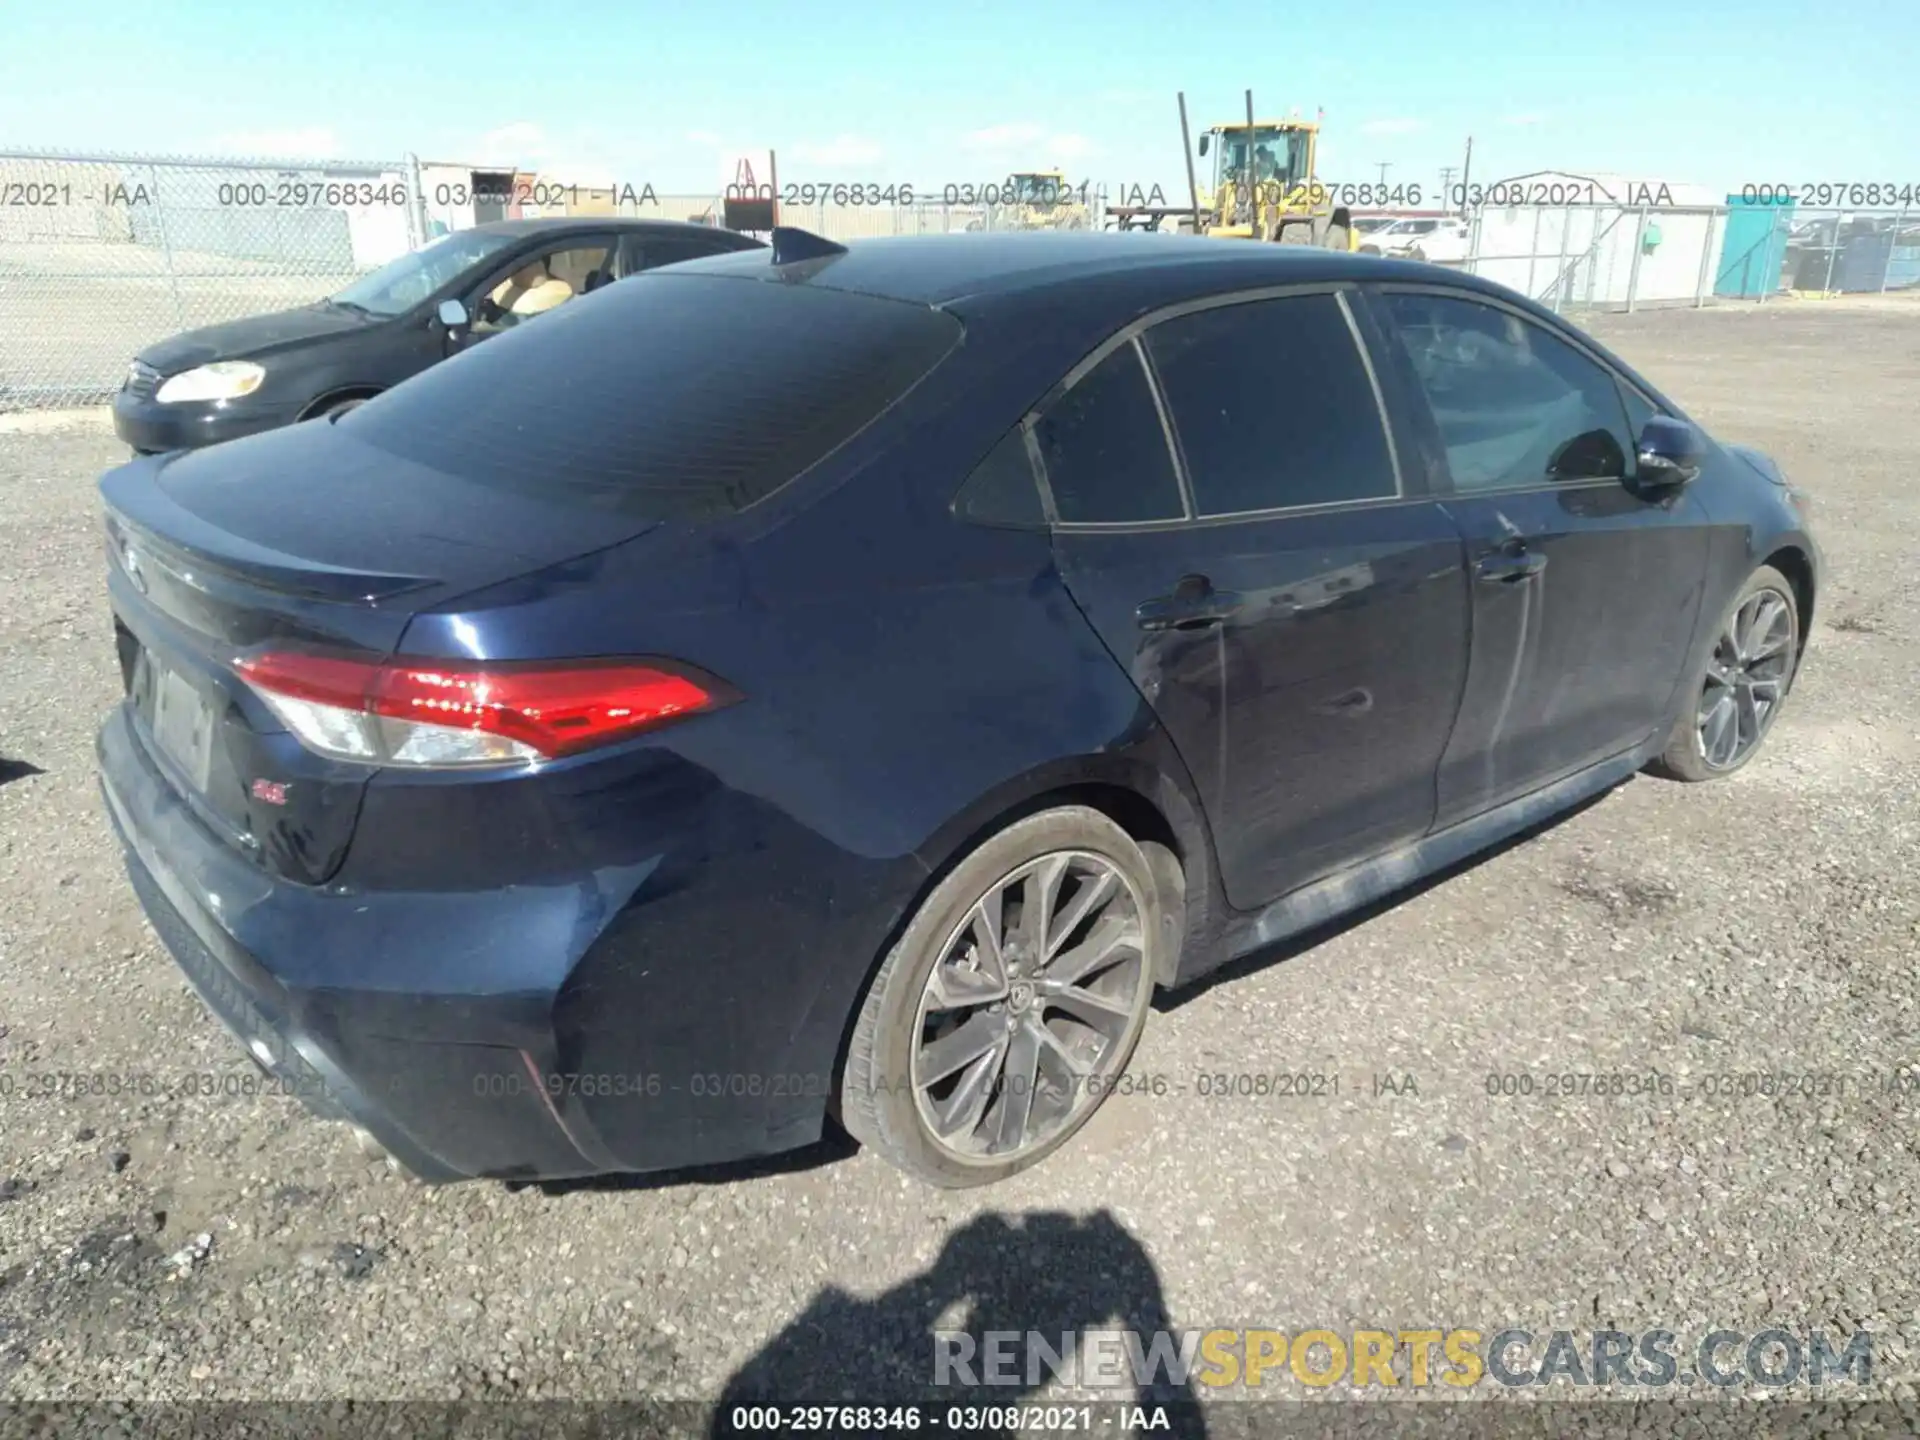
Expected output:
(1746, 679)
(1025, 1016)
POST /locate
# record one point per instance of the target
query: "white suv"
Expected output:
(1440, 241)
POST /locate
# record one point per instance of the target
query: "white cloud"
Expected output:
(843, 152)
(520, 144)
(314, 142)
(1025, 145)
(1392, 127)
(997, 138)
(1528, 119)
(587, 170)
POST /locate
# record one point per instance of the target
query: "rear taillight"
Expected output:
(431, 714)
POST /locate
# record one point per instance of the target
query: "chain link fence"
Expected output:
(867, 222)
(1622, 258)
(103, 254)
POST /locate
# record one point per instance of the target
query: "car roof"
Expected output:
(1084, 285)
(943, 269)
(556, 223)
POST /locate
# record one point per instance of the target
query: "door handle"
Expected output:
(1510, 567)
(1353, 702)
(1194, 605)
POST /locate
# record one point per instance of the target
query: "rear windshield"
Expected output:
(670, 396)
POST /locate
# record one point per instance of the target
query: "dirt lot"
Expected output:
(228, 1247)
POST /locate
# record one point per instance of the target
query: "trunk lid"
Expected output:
(302, 537)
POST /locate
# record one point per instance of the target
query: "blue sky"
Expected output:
(1715, 93)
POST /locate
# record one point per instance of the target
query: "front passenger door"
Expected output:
(1586, 586)
(534, 284)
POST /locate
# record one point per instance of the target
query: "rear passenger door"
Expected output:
(1230, 514)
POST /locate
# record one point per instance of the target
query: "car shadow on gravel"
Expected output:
(1047, 1273)
(11, 770)
(1332, 929)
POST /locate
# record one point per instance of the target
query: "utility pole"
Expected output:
(1385, 165)
(1466, 176)
(1447, 172)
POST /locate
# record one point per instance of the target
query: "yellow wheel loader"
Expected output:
(1043, 200)
(1264, 185)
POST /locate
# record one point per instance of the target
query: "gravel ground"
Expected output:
(228, 1247)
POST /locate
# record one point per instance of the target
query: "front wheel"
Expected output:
(337, 408)
(1011, 1004)
(1736, 695)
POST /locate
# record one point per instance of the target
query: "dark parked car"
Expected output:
(845, 683)
(245, 376)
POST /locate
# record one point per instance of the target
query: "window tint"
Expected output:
(655, 253)
(633, 255)
(1002, 489)
(1639, 410)
(1273, 406)
(1105, 452)
(672, 395)
(1515, 405)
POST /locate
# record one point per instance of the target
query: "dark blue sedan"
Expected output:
(842, 685)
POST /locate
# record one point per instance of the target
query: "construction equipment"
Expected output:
(1042, 200)
(1264, 186)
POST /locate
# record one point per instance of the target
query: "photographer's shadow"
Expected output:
(1047, 1273)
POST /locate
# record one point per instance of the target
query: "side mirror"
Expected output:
(1670, 452)
(1203, 143)
(453, 315)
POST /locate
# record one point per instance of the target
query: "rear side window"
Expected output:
(1104, 449)
(651, 254)
(671, 396)
(1273, 406)
(1001, 491)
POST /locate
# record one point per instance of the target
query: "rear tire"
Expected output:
(905, 1073)
(1742, 683)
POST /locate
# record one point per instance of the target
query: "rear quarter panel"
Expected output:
(907, 678)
